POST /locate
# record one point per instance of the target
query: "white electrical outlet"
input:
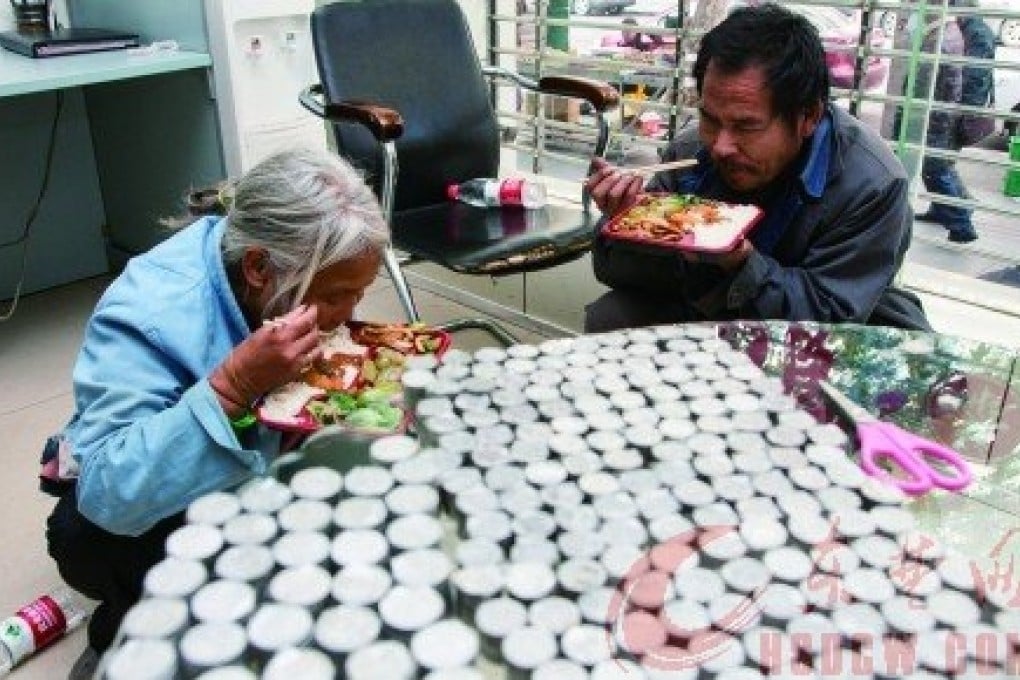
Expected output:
(289, 41)
(255, 46)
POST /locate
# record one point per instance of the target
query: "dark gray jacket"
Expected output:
(839, 234)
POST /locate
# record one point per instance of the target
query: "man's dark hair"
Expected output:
(786, 44)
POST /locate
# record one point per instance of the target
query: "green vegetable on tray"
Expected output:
(426, 344)
(375, 416)
(661, 206)
(342, 402)
(370, 409)
(381, 393)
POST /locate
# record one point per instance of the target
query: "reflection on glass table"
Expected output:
(958, 392)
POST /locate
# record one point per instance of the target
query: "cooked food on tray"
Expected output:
(356, 382)
(684, 222)
(340, 341)
(406, 339)
(284, 405)
(337, 372)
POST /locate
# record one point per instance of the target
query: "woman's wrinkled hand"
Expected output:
(275, 354)
(611, 188)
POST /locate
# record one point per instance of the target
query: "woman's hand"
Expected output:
(274, 354)
(611, 188)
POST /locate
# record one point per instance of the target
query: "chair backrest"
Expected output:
(416, 56)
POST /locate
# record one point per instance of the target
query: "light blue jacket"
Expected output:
(148, 432)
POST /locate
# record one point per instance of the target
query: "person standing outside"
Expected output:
(939, 173)
(978, 88)
(633, 38)
(837, 219)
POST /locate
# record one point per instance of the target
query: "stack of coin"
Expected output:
(638, 503)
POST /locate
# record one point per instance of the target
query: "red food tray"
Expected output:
(362, 333)
(306, 424)
(706, 238)
(365, 333)
(303, 424)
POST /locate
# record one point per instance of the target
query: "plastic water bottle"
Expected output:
(38, 624)
(486, 192)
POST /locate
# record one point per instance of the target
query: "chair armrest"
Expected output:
(384, 123)
(601, 95)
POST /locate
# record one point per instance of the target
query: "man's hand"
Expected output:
(611, 188)
(274, 354)
(730, 261)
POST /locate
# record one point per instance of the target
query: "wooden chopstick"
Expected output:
(672, 165)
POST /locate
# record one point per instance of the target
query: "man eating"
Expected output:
(837, 219)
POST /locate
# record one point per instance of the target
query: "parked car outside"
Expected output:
(840, 35)
(599, 6)
(838, 30)
(1005, 24)
(1007, 85)
(1006, 28)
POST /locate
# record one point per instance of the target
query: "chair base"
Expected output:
(503, 336)
(392, 263)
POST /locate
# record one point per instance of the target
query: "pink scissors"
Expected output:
(881, 441)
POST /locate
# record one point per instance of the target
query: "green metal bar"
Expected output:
(916, 39)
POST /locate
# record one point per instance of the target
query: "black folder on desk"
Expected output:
(66, 41)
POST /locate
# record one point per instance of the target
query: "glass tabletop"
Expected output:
(959, 392)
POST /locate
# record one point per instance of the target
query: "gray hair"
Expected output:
(308, 209)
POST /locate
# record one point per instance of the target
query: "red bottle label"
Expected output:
(46, 619)
(510, 192)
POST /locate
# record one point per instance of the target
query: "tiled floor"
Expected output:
(37, 349)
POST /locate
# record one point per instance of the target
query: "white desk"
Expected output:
(21, 75)
(112, 107)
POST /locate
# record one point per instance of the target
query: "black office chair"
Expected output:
(403, 87)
